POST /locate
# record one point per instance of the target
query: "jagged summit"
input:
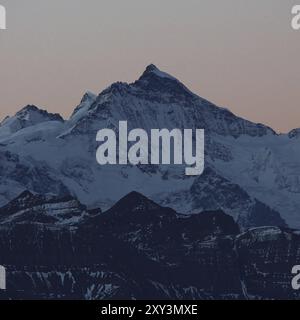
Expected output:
(135, 201)
(32, 112)
(152, 78)
(155, 80)
(29, 108)
(87, 100)
(294, 133)
(88, 96)
(153, 70)
(28, 199)
(28, 116)
(35, 207)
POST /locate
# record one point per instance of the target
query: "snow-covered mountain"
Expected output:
(27, 117)
(252, 173)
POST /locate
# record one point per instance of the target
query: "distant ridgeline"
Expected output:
(2, 18)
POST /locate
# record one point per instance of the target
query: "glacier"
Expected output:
(251, 172)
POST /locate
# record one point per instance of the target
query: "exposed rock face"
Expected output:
(27, 117)
(140, 250)
(32, 208)
(257, 168)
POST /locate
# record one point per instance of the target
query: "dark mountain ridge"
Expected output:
(141, 250)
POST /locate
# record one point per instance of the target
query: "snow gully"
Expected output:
(163, 142)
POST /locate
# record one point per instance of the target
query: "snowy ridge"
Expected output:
(257, 168)
(28, 207)
(27, 117)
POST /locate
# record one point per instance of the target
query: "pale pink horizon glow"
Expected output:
(239, 54)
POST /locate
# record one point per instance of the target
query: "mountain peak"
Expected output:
(155, 80)
(135, 201)
(31, 111)
(28, 116)
(33, 207)
(88, 96)
(294, 133)
(29, 108)
(152, 70)
(87, 100)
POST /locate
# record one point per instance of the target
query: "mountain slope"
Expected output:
(31, 208)
(261, 164)
(140, 250)
(230, 197)
(26, 117)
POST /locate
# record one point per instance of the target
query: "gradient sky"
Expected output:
(240, 54)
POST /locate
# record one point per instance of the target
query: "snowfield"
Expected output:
(251, 172)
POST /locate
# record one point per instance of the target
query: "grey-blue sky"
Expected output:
(240, 54)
